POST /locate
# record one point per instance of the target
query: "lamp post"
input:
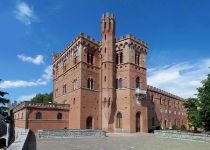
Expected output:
(140, 95)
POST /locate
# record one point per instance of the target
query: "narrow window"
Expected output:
(64, 66)
(120, 84)
(74, 84)
(119, 120)
(105, 78)
(91, 83)
(116, 58)
(105, 50)
(64, 89)
(88, 60)
(59, 116)
(137, 82)
(121, 58)
(38, 115)
(116, 83)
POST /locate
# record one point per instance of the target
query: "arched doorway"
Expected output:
(119, 120)
(89, 123)
(138, 122)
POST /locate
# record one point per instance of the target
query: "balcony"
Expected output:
(139, 91)
(140, 95)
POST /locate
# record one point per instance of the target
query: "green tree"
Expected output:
(43, 98)
(3, 100)
(193, 113)
(204, 99)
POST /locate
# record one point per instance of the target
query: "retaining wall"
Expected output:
(70, 133)
(182, 135)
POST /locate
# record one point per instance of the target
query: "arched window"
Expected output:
(38, 115)
(138, 122)
(137, 82)
(120, 84)
(121, 58)
(119, 120)
(59, 116)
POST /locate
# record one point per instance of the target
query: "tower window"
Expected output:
(105, 36)
(64, 89)
(105, 50)
(64, 66)
(120, 83)
(117, 59)
(121, 58)
(137, 82)
(105, 78)
(89, 58)
(75, 84)
(90, 83)
(116, 83)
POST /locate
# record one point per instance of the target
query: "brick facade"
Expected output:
(99, 81)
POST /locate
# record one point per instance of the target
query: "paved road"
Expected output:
(120, 142)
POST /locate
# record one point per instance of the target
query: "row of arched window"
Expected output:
(119, 83)
(119, 58)
(39, 116)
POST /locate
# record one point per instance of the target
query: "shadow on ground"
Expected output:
(32, 143)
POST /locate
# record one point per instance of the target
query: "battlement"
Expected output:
(29, 104)
(129, 36)
(108, 15)
(151, 88)
(56, 56)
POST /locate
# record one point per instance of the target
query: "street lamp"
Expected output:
(140, 95)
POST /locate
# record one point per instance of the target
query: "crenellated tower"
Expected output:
(108, 72)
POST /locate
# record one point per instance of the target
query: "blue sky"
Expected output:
(177, 32)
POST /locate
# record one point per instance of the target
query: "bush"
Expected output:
(183, 127)
(174, 127)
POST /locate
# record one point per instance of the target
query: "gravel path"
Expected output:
(119, 142)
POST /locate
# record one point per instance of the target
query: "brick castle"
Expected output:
(103, 85)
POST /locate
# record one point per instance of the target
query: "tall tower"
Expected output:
(108, 73)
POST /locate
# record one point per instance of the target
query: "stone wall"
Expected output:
(21, 137)
(182, 135)
(70, 133)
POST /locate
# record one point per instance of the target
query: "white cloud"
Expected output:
(181, 79)
(24, 13)
(46, 77)
(25, 97)
(39, 59)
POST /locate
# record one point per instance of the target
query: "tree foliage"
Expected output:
(3, 100)
(204, 103)
(43, 98)
(198, 109)
(193, 113)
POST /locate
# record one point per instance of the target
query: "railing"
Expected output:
(41, 105)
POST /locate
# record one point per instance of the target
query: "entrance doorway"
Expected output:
(138, 122)
(89, 123)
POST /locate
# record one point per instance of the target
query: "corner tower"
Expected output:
(108, 71)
